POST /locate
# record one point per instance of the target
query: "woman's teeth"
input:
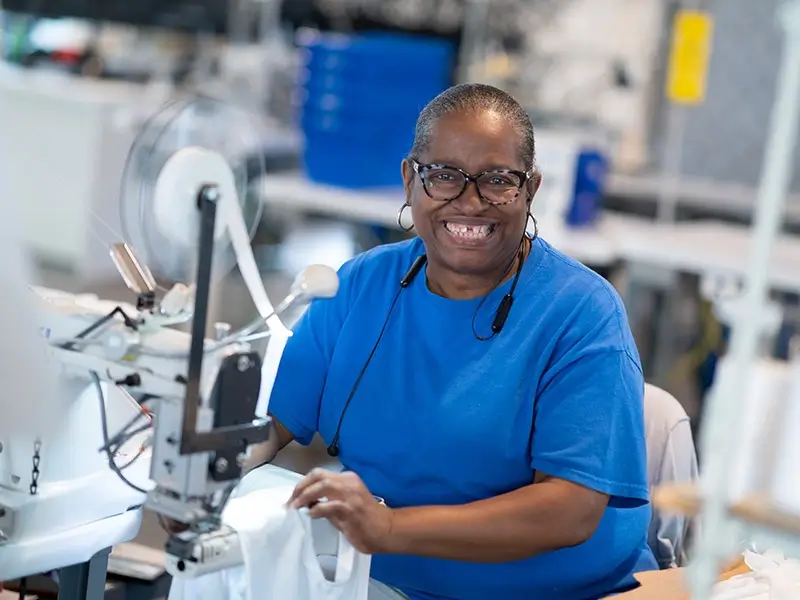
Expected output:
(472, 232)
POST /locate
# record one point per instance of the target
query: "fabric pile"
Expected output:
(772, 577)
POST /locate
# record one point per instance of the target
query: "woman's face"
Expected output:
(468, 235)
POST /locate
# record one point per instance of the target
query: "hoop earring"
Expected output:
(400, 218)
(535, 226)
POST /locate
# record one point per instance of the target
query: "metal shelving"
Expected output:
(758, 519)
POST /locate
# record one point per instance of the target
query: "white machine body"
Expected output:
(68, 492)
(74, 486)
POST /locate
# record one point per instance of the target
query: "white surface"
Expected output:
(557, 156)
(786, 483)
(63, 152)
(718, 197)
(700, 247)
(752, 468)
(24, 372)
(704, 247)
(70, 547)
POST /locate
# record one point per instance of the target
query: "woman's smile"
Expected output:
(470, 234)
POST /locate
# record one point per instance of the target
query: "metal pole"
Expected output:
(86, 581)
(669, 190)
(725, 406)
(473, 38)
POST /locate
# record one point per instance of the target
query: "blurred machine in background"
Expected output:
(210, 16)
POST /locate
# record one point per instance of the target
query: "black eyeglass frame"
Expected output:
(524, 176)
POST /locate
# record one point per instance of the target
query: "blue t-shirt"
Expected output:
(441, 418)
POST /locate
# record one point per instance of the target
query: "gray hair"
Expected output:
(475, 97)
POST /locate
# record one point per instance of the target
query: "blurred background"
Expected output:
(649, 181)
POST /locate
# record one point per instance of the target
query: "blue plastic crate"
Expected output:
(400, 124)
(369, 55)
(335, 51)
(333, 93)
(355, 159)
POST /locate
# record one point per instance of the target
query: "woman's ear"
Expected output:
(407, 172)
(534, 183)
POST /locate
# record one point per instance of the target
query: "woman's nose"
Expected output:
(470, 202)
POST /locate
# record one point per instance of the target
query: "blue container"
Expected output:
(366, 54)
(356, 160)
(401, 124)
(590, 182)
(359, 101)
(387, 105)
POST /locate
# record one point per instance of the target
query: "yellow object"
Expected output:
(689, 57)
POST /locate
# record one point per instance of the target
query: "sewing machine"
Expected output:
(117, 409)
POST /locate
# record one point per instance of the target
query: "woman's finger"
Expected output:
(311, 495)
(312, 478)
(333, 510)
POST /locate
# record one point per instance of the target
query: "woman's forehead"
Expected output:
(475, 141)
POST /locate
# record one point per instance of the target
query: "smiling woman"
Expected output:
(473, 226)
(483, 384)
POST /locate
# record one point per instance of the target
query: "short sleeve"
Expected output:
(303, 369)
(589, 417)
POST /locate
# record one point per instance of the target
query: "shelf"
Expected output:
(682, 499)
(767, 525)
(761, 512)
(691, 247)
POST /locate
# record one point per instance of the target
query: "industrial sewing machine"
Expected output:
(130, 411)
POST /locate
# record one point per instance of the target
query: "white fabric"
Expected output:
(280, 557)
(286, 554)
(227, 585)
(773, 577)
(231, 213)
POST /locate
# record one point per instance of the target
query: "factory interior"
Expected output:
(665, 135)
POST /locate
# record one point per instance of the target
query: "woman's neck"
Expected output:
(466, 286)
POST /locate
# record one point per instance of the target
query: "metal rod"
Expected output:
(669, 190)
(207, 199)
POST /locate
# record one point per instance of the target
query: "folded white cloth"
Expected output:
(773, 577)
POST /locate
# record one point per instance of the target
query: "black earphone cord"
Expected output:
(416, 267)
(500, 318)
(503, 310)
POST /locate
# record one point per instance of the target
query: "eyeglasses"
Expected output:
(446, 183)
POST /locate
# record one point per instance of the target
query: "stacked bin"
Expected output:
(360, 98)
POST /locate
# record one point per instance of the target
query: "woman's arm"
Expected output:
(588, 445)
(265, 452)
(546, 516)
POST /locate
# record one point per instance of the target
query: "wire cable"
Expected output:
(100, 323)
(104, 424)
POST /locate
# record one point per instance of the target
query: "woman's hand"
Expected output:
(349, 506)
